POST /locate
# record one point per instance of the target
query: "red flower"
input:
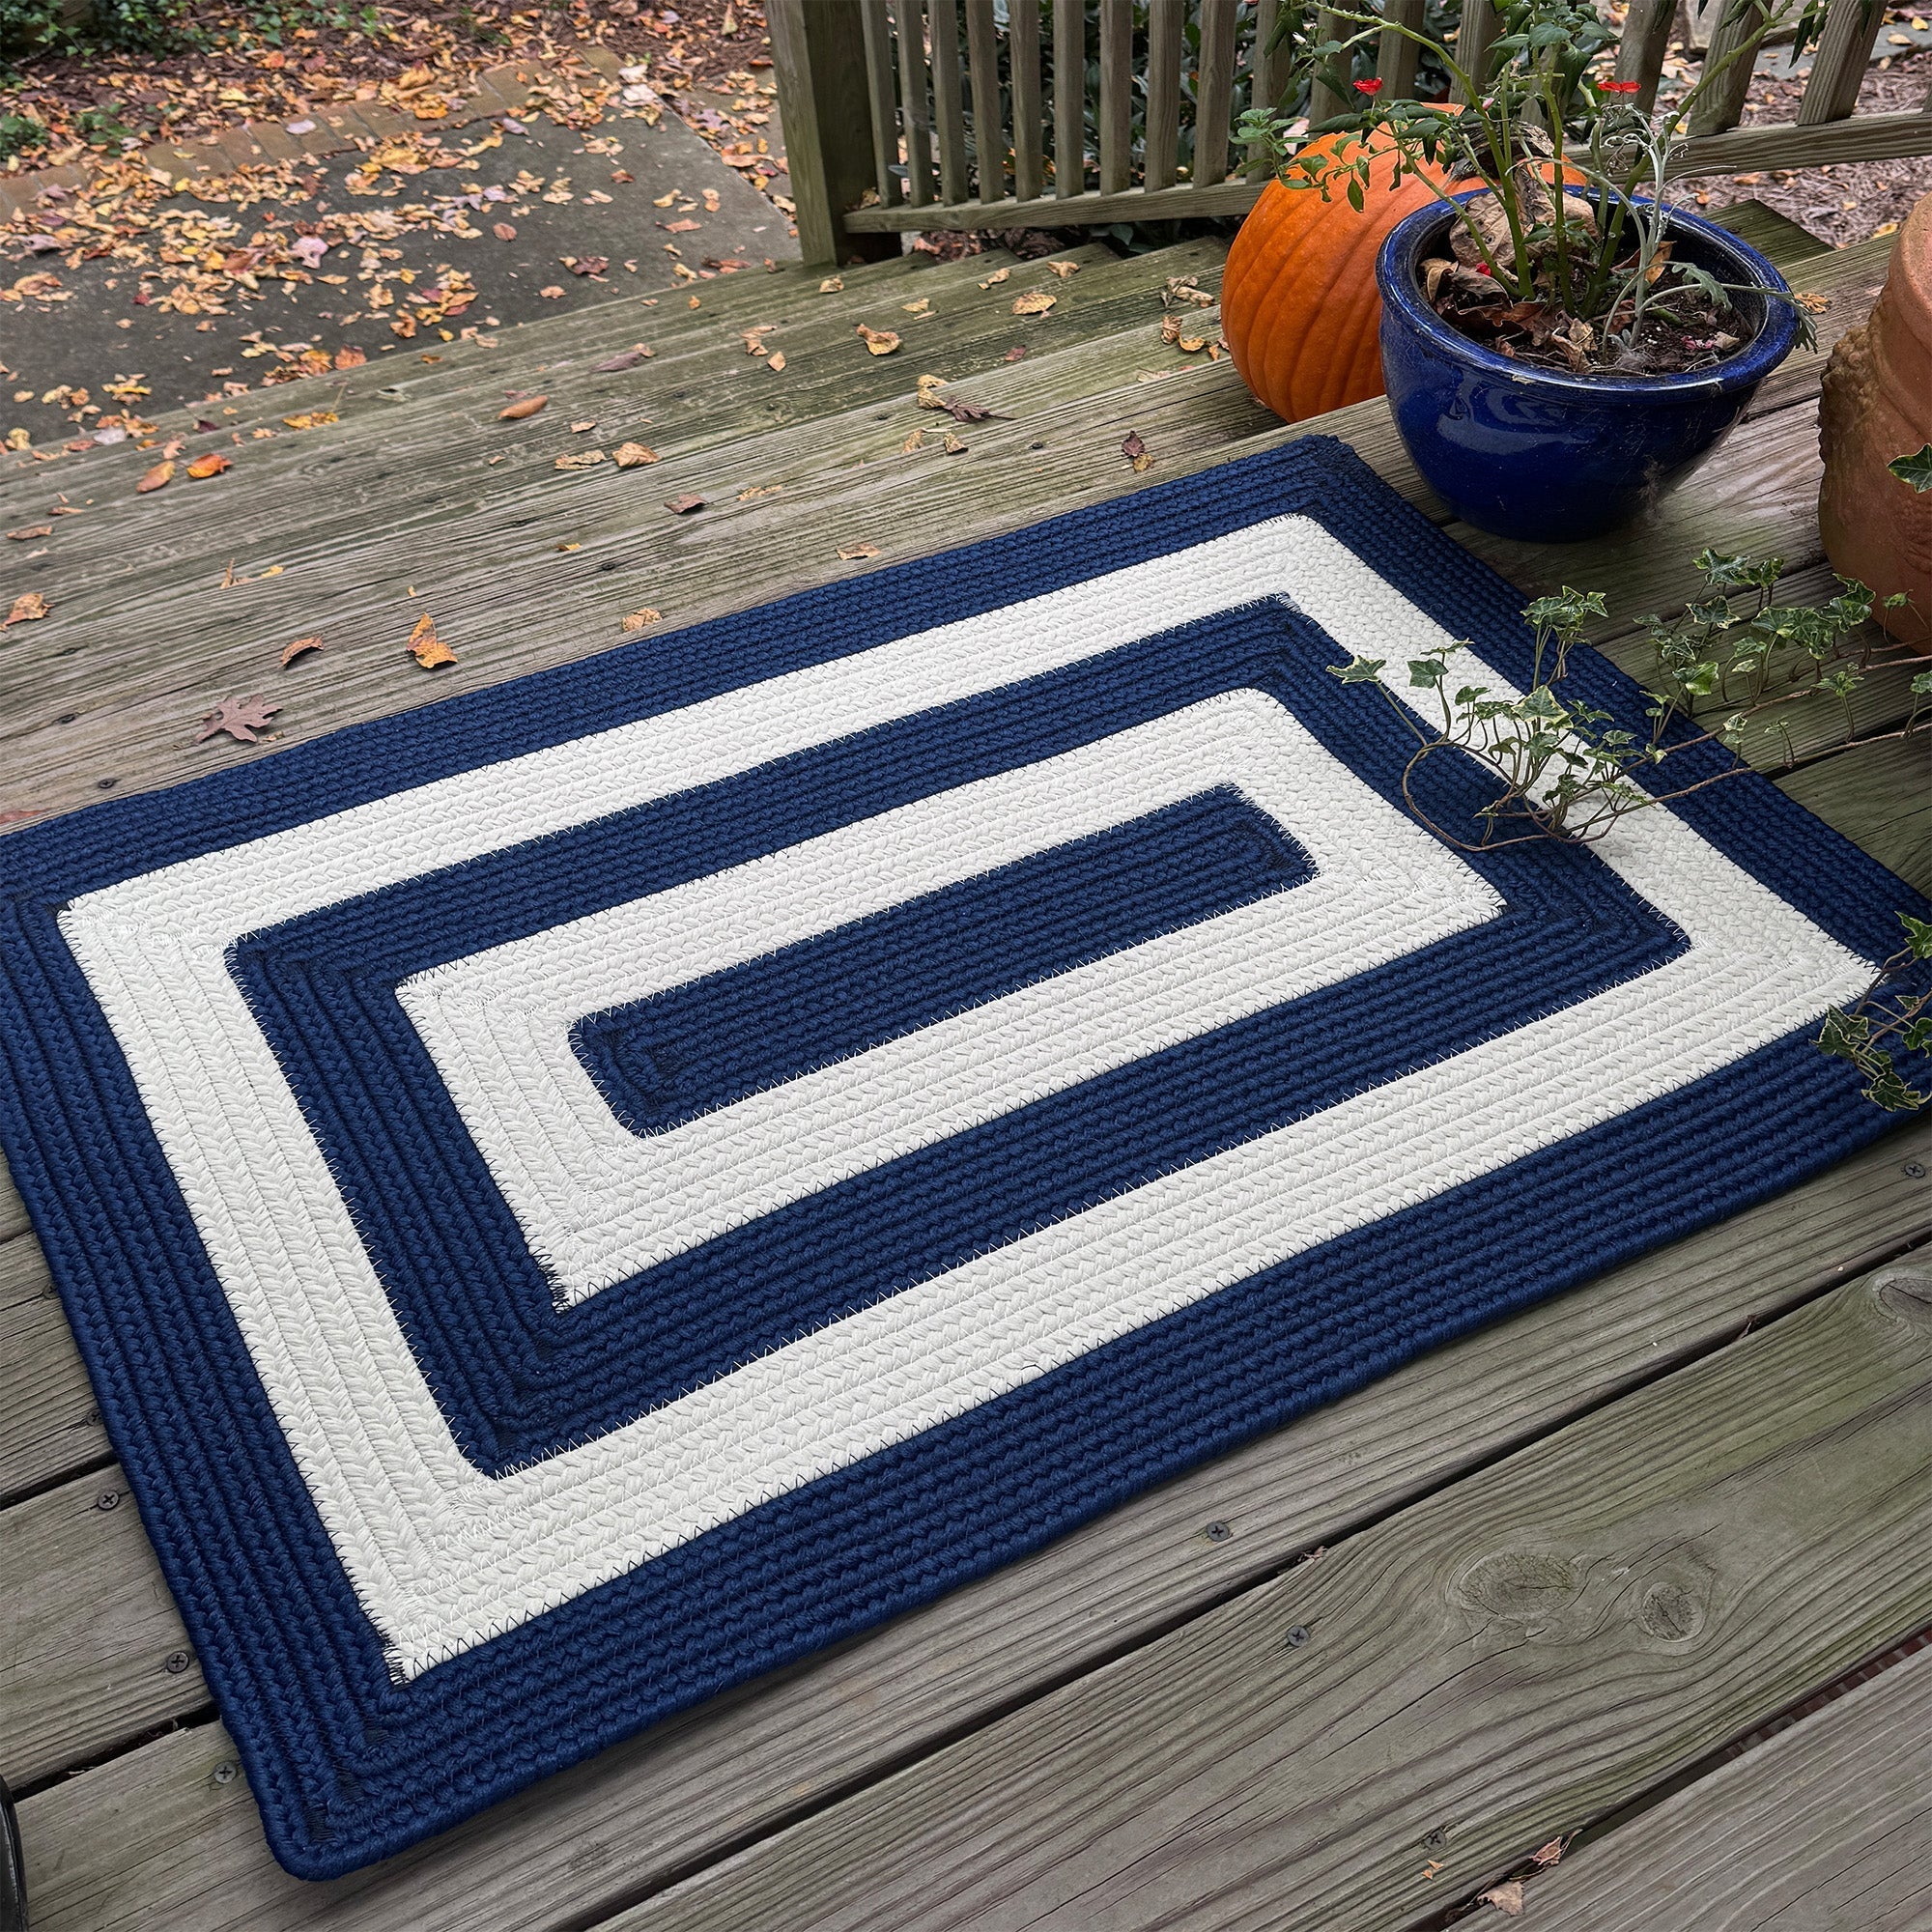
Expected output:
(1619, 87)
(1371, 88)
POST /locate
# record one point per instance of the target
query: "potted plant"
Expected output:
(1557, 340)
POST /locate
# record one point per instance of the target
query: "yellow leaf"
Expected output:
(517, 412)
(161, 473)
(426, 647)
(311, 419)
(210, 465)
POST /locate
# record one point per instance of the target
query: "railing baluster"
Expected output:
(885, 107)
(990, 140)
(1163, 95)
(1851, 27)
(948, 110)
(1479, 29)
(909, 17)
(1396, 54)
(1647, 41)
(1323, 103)
(1724, 102)
(1023, 61)
(1069, 97)
(1117, 94)
(1267, 77)
(1214, 91)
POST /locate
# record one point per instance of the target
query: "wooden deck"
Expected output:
(1533, 1584)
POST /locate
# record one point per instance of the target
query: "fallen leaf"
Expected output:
(504, 231)
(635, 455)
(1815, 303)
(852, 552)
(161, 473)
(1016, 353)
(686, 227)
(551, 294)
(239, 716)
(951, 445)
(998, 276)
(311, 419)
(33, 530)
(915, 439)
(1062, 269)
(1136, 451)
(682, 506)
(1036, 301)
(349, 357)
(664, 200)
(922, 306)
(1192, 345)
(28, 606)
(210, 465)
(570, 545)
(290, 652)
(831, 285)
(589, 265)
(879, 341)
(1547, 1854)
(627, 358)
(639, 620)
(578, 428)
(1507, 1898)
(426, 647)
(776, 361)
(584, 459)
(517, 412)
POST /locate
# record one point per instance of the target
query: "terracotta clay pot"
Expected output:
(1877, 406)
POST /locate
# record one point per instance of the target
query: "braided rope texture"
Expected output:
(587, 1192)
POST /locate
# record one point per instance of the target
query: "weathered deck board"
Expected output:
(1825, 1825)
(48, 1426)
(1510, 1658)
(612, 1829)
(97, 1671)
(1879, 795)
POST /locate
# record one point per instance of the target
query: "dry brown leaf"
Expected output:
(349, 357)
(426, 647)
(587, 265)
(210, 465)
(1507, 1898)
(682, 506)
(685, 227)
(1192, 345)
(625, 359)
(998, 276)
(639, 620)
(239, 716)
(775, 361)
(915, 439)
(1811, 299)
(290, 652)
(1547, 1854)
(1062, 269)
(578, 428)
(159, 475)
(635, 455)
(1036, 301)
(1016, 353)
(664, 200)
(517, 412)
(28, 606)
(852, 552)
(879, 341)
(311, 419)
(32, 532)
(1181, 288)
(951, 445)
(1136, 451)
(831, 285)
(584, 459)
(922, 306)
(504, 231)
(551, 294)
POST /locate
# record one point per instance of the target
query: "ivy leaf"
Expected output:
(1426, 673)
(1915, 469)
(1890, 1093)
(1843, 1036)
(1359, 670)
(1918, 935)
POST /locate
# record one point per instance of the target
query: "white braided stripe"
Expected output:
(441, 1557)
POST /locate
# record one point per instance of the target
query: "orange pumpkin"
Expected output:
(1298, 301)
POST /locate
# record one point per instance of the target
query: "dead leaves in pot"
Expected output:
(426, 647)
(526, 406)
(242, 718)
(878, 341)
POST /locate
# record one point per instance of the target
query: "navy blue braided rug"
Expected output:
(586, 1192)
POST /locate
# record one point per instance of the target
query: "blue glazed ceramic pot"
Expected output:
(1553, 457)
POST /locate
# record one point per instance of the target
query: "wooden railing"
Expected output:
(930, 114)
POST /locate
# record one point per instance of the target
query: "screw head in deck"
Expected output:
(1297, 1636)
(1914, 1170)
(178, 1661)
